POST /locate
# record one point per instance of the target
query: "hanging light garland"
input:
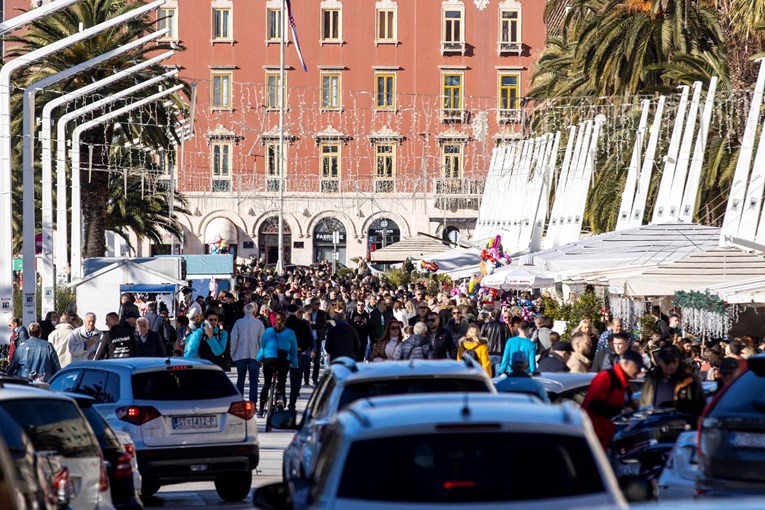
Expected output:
(705, 314)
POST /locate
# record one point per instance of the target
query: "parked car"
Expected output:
(186, 418)
(118, 462)
(485, 451)
(345, 382)
(678, 479)
(44, 481)
(54, 423)
(10, 487)
(565, 386)
(732, 437)
(129, 446)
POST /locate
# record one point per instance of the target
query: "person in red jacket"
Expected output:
(606, 396)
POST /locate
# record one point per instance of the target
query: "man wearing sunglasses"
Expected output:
(672, 384)
(444, 344)
(422, 313)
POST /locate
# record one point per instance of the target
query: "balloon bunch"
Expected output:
(493, 256)
(219, 246)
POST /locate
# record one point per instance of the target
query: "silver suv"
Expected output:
(186, 418)
(346, 381)
(454, 451)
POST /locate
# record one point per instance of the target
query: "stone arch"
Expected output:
(339, 215)
(289, 219)
(406, 230)
(231, 216)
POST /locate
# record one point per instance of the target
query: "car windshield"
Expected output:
(745, 397)
(470, 467)
(189, 384)
(54, 425)
(382, 387)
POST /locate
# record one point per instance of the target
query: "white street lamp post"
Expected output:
(33, 15)
(76, 244)
(28, 157)
(6, 203)
(47, 163)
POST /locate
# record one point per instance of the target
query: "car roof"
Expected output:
(348, 370)
(373, 417)
(558, 382)
(143, 363)
(21, 391)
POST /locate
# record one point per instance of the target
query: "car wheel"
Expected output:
(149, 487)
(234, 487)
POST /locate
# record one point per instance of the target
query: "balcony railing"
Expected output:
(507, 47)
(330, 186)
(453, 115)
(509, 116)
(452, 47)
(385, 186)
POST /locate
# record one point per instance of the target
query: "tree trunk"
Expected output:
(95, 194)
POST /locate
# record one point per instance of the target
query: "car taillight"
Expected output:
(129, 449)
(708, 409)
(243, 409)
(60, 489)
(124, 468)
(103, 482)
(137, 415)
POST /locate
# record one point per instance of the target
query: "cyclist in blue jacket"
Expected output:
(278, 351)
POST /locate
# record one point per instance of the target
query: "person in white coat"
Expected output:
(60, 339)
(83, 342)
(245, 344)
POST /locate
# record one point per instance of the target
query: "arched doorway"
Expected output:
(268, 241)
(381, 233)
(323, 245)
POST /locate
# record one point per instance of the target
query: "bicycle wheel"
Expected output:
(270, 405)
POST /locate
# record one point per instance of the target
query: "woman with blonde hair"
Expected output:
(474, 346)
(384, 349)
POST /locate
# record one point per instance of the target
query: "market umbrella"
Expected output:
(517, 278)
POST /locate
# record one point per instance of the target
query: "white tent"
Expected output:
(510, 278)
(740, 292)
(642, 246)
(458, 262)
(701, 270)
(417, 247)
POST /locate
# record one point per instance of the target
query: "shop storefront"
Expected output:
(268, 241)
(323, 245)
(382, 232)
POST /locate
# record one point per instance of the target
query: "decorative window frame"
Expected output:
(331, 71)
(386, 5)
(452, 47)
(452, 114)
(222, 5)
(509, 47)
(170, 4)
(330, 135)
(509, 115)
(276, 5)
(222, 71)
(330, 184)
(331, 5)
(386, 71)
(271, 71)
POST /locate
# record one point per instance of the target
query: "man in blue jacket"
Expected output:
(278, 351)
(35, 359)
(207, 341)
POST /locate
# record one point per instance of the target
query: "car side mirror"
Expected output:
(283, 420)
(636, 489)
(274, 496)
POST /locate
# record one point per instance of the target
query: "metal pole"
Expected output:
(76, 201)
(33, 15)
(28, 157)
(282, 98)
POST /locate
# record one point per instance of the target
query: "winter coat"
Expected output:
(245, 338)
(444, 344)
(496, 333)
(342, 340)
(60, 339)
(153, 347)
(519, 343)
(480, 349)
(273, 341)
(578, 363)
(689, 394)
(605, 399)
(553, 363)
(35, 359)
(415, 347)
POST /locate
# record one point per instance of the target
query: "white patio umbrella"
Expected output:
(517, 278)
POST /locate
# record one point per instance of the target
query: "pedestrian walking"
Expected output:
(305, 346)
(85, 339)
(519, 343)
(245, 344)
(60, 339)
(278, 352)
(417, 346)
(36, 359)
(342, 340)
(149, 344)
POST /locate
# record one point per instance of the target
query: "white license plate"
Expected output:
(746, 440)
(195, 422)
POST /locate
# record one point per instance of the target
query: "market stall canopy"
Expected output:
(517, 278)
(417, 247)
(646, 245)
(702, 270)
(458, 262)
(740, 292)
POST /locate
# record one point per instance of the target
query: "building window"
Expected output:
(273, 25)
(509, 97)
(451, 160)
(386, 25)
(331, 91)
(451, 90)
(385, 91)
(221, 90)
(272, 166)
(168, 18)
(509, 31)
(273, 90)
(453, 30)
(222, 24)
(331, 30)
(385, 159)
(221, 166)
(330, 167)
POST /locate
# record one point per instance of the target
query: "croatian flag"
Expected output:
(294, 35)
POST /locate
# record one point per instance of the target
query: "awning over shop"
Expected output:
(702, 270)
(221, 227)
(740, 292)
(417, 247)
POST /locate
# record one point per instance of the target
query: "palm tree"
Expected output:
(154, 126)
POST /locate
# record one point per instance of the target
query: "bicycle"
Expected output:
(271, 403)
